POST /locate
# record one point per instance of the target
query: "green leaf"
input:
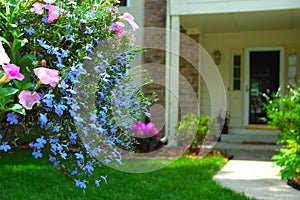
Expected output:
(2, 39)
(5, 100)
(17, 108)
(26, 59)
(16, 33)
(7, 91)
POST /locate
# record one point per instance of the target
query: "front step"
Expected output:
(260, 147)
(239, 138)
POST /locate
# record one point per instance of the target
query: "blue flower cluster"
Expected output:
(86, 120)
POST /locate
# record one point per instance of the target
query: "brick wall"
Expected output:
(155, 16)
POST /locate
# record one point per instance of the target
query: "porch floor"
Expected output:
(248, 147)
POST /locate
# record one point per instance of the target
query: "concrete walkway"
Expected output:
(258, 179)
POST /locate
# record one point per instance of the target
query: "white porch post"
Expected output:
(172, 78)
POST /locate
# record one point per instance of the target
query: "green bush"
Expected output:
(191, 131)
(284, 113)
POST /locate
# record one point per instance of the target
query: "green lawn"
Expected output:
(22, 177)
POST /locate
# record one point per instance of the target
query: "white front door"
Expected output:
(264, 74)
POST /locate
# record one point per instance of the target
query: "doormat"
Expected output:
(258, 142)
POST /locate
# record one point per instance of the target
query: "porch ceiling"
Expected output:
(246, 21)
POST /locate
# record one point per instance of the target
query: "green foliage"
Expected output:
(185, 178)
(191, 131)
(283, 112)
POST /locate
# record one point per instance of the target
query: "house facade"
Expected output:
(255, 45)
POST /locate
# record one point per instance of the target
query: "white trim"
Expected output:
(191, 7)
(174, 78)
(167, 75)
(247, 74)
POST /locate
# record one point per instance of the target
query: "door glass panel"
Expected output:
(264, 79)
(292, 69)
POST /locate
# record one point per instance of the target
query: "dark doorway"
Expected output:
(123, 3)
(264, 79)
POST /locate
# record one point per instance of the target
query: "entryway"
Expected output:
(264, 73)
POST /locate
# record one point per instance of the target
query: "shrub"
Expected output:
(191, 131)
(283, 112)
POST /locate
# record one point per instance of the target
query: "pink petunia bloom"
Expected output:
(130, 19)
(118, 26)
(27, 100)
(200, 147)
(54, 12)
(37, 7)
(4, 59)
(12, 72)
(47, 76)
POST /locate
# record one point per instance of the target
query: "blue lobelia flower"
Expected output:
(59, 109)
(12, 118)
(30, 30)
(22, 20)
(97, 183)
(80, 184)
(43, 119)
(79, 156)
(40, 143)
(89, 168)
(37, 154)
(5, 147)
(69, 27)
(65, 53)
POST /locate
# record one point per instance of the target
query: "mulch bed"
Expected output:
(259, 142)
(293, 184)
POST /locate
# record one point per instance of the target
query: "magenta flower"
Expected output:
(27, 100)
(3, 56)
(130, 19)
(47, 76)
(11, 72)
(37, 7)
(143, 130)
(54, 12)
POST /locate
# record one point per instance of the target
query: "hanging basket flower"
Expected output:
(49, 52)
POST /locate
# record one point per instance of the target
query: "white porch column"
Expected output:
(172, 78)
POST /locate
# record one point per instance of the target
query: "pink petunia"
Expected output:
(54, 12)
(47, 76)
(37, 7)
(118, 26)
(4, 59)
(28, 99)
(130, 19)
(12, 72)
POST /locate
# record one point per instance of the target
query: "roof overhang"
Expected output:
(243, 21)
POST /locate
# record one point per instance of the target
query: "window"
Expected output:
(292, 69)
(236, 72)
(123, 2)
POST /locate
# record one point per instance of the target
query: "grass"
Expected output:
(22, 177)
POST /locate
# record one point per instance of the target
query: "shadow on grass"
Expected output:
(23, 177)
